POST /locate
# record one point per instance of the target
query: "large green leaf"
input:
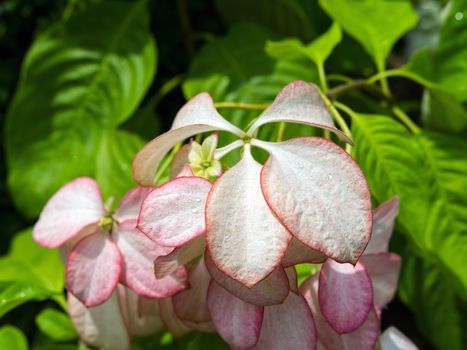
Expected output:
(225, 63)
(376, 24)
(428, 172)
(79, 79)
(446, 68)
(441, 109)
(113, 161)
(12, 338)
(441, 316)
(285, 17)
(56, 325)
(450, 59)
(13, 294)
(30, 263)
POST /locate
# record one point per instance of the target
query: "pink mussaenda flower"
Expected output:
(347, 300)
(309, 190)
(342, 302)
(103, 249)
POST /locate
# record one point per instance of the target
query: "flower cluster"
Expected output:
(191, 254)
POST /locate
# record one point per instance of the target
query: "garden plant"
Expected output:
(286, 174)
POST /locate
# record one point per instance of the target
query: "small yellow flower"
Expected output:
(202, 159)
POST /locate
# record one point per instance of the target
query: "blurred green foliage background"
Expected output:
(84, 84)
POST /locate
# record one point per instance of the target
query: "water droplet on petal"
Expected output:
(198, 200)
(329, 177)
(194, 210)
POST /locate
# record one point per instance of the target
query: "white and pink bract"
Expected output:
(220, 257)
(97, 259)
(309, 189)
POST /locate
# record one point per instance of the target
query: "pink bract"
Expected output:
(309, 189)
(238, 322)
(98, 257)
(76, 205)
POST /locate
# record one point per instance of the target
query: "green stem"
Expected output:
(339, 77)
(400, 73)
(405, 119)
(280, 132)
(322, 77)
(241, 105)
(341, 121)
(163, 91)
(166, 163)
(342, 88)
(384, 81)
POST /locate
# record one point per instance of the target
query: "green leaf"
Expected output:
(225, 63)
(28, 262)
(428, 172)
(440, 315)
(320, 49)
(286, 17)
(442, 111)
(287, 49)
(450, 58)
(445, 68)
(12, 338)
(13, 294)
(113, 161)
(56, 325)
(80, 77)
(376, 24)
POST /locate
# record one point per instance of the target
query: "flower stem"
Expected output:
(342, 88)
(341, 121)
(384, 81)
(405, 119)
(322, 77)
(280, 132)
(165, 89)
(167, 161)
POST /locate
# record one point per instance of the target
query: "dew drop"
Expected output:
(329, 177)
(198, 200)
(194, 210)
(458, 16)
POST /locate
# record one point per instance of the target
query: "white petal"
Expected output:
(100, 326)
(244, 238)
(320, 194)
(75, 206)
(384, 219)
(299, 102)
(196, 116)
